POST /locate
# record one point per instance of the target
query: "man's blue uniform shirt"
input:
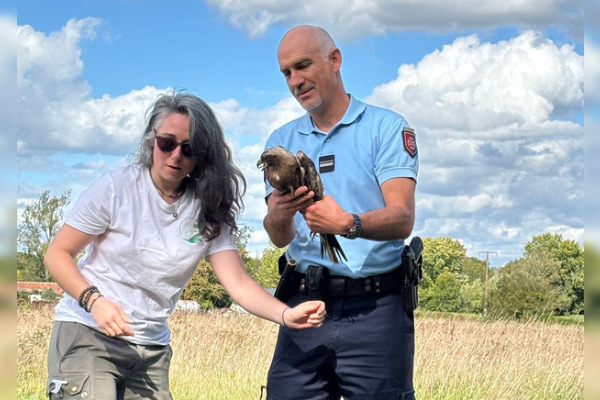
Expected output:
(368, 147)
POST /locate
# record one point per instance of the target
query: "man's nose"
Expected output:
(296, 79)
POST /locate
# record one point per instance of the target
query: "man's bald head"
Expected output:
(308, 33)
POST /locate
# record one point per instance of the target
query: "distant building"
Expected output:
(39, 286)
(187, 305)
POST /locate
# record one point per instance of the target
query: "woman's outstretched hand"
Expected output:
(309, 314)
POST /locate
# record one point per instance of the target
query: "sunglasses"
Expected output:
(168, 144)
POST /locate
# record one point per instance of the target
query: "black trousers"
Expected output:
(363, 351)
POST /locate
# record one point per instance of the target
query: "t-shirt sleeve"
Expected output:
(224, 241)
(93, 210)
(393, 160)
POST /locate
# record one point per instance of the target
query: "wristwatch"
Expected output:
(356, 230)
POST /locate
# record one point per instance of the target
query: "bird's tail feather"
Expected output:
(330, 244)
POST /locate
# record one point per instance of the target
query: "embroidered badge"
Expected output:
(410, 141)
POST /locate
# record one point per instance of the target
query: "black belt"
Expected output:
(343, 286)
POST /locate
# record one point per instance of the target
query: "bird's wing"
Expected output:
(311, 176)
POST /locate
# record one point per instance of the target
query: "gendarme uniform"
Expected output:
(367, 340)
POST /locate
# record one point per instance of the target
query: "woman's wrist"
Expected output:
(91, 302)
(283, 316)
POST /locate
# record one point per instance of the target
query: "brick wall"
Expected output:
(31, 286)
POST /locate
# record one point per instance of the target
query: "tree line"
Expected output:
(547, 280)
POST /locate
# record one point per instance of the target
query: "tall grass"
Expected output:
(227, 357)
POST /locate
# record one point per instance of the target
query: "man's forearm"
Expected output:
(281, 232)
(387, 223)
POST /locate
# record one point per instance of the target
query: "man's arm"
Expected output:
(397, 218)
(394, 221)
(279, 221)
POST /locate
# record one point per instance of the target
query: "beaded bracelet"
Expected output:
(89, 308)
(282, 318)
(88, 296)
(85, 293)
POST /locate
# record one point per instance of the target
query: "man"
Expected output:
(368, 161)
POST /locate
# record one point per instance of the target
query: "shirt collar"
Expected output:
(355, 109)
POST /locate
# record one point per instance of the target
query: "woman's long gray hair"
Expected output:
(216, 181)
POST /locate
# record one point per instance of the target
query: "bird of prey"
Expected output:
(286, 172)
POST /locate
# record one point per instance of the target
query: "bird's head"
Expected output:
(273, 157)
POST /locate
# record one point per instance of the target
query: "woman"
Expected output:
(145, 228)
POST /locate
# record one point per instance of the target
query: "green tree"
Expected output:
(471, 297)
(474, 269)
(527, 288)
(442, 254)
(443, 259)
(205, 288)
(473, 285)
(570, 256)
(40, 222)
(443, 294)
(268, 273)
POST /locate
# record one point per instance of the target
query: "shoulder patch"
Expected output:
(410, 141)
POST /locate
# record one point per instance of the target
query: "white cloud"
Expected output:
(352, 18)
(484, 87)
(240, 122)
(497, 146)
(501, 161)
(56, 108)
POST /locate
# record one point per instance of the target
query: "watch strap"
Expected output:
(356, 230)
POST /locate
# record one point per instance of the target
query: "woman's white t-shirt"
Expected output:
(144, 251)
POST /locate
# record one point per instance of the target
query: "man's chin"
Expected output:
(310, 105)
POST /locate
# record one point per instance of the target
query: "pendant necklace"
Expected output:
(171, 196)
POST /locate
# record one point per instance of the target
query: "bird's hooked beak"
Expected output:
(261, 164)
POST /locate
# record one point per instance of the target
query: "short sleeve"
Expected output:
(93, 210)
(224, 241)
(393, 160)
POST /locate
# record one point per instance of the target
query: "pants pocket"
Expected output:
(69, 386)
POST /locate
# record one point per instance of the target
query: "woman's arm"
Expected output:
(60, 261)
(255, 299)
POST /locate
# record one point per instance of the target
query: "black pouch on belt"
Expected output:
(287, 285)
(316, 281)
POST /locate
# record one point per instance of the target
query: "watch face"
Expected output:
(353, 233)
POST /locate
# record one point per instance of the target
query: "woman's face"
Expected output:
(170, 165)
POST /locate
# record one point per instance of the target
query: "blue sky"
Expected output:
(493, 90)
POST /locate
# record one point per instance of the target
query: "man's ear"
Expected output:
(336, 58)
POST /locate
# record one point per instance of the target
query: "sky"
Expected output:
(494, 91)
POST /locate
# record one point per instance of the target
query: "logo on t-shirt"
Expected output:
(190, 231)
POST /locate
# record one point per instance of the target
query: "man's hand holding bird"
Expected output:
(287, 173)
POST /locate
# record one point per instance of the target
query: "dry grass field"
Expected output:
(226, 357)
